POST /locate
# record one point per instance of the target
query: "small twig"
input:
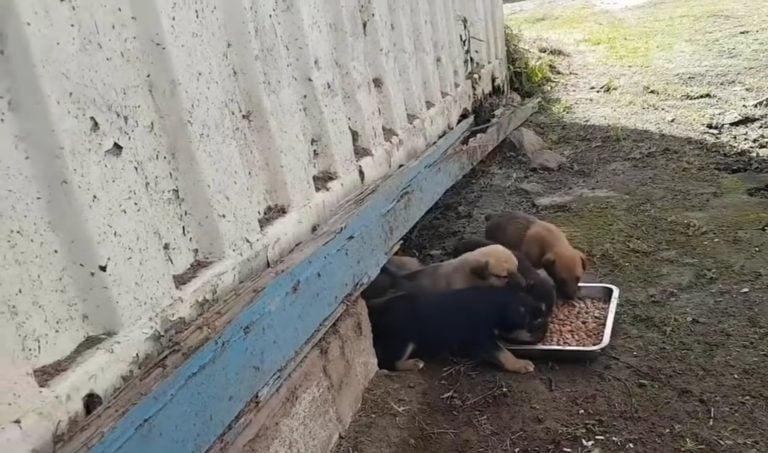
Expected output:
(469, 403)
(433, 431)
(398, 409)
(486, 125)
(450, 432)
(421, 422)
(451, 392)
(450, 370)
(55, 432)
(629, 389)
(760, 102)
(397, 422)
(634, 367)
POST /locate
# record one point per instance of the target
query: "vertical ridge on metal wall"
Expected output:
(262, 140)
(404, 50)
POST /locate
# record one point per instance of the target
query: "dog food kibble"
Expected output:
(577, 323)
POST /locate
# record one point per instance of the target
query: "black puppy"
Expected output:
(466, 322)
(538, 285)
(387, 280)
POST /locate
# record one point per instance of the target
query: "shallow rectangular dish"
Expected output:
(601, 291)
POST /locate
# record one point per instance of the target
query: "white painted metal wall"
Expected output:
(140, 137)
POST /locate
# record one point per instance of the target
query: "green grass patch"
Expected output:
(556, 107)
(632, 37)
(731, 185)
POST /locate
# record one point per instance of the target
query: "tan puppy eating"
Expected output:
(493, 265)
(545, 246)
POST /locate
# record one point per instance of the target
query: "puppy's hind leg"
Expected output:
(406, 364)
(502, 357)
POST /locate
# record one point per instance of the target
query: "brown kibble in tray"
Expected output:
(577, 323)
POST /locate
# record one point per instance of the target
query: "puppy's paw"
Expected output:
(417, 365)
(409, 365)
(523, 367)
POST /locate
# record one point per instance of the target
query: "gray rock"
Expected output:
(526, 140)
(532, 188)
(546, 160)
(730, 118)
(568, 196)
(535, 148)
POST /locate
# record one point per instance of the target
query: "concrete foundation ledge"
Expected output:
(317, 400)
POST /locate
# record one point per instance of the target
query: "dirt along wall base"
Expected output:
(315, 404)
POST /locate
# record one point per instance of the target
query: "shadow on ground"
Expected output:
(686, 243)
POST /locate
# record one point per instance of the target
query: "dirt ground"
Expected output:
(655, 105)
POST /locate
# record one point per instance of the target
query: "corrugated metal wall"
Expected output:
(146, 143)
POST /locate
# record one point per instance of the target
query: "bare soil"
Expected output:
(682, 229)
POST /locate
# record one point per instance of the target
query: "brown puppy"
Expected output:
(493, 265)
(545, 246)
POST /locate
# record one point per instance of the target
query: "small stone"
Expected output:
(730, 118)
(568, 196)
(526, 140)
(531, 187)
(546, 160)
(535, 148)
(744, 290)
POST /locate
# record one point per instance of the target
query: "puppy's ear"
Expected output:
(583, 261)
(481, 269)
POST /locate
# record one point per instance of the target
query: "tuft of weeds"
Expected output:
(556, 107)
(530, 71)
(689, 445)
(609, 86)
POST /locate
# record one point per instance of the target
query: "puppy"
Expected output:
(466, 322)
(536, 284)
(385, 282)
(493, 265)
(545, 246)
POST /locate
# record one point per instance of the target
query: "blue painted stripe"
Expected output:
(189, 410)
